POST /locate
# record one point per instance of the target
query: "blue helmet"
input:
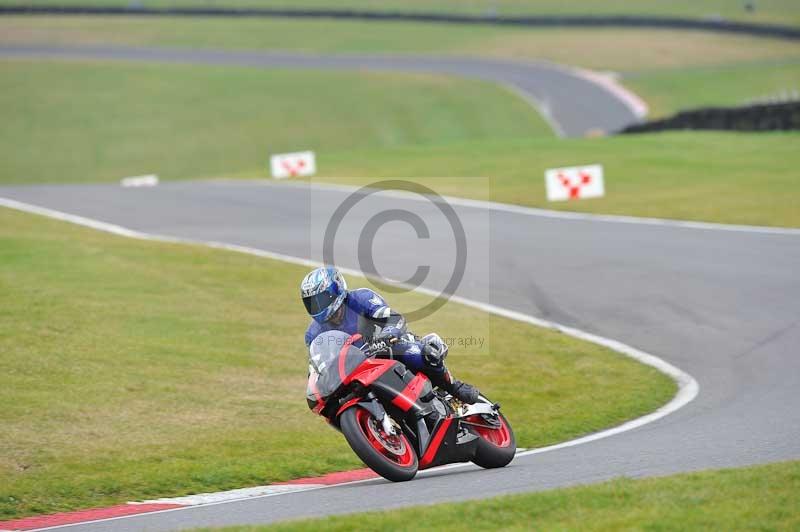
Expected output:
(323, 292)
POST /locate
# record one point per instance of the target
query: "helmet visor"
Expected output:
(318, 302)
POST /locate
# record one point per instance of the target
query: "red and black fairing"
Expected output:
(383, 385)
(437, 436)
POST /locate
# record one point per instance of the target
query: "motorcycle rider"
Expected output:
(333, 307)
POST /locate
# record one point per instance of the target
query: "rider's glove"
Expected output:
(389, 334)
(377, 348)
(381, 343)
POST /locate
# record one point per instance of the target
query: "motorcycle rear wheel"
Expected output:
(391, 456)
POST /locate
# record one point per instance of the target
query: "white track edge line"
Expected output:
(200, 499)
(528, 211)
(688, 388)
(541, 106)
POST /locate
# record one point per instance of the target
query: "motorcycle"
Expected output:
(393, 419)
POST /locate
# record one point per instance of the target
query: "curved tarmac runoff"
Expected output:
(573, 101)
(722, 305)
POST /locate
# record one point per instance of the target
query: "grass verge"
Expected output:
(671, 70)
(670, 90)
(104, 121)
(778, 11)
(754, 498)
(195, 122)
(133, 370)
(623, 50)
(745, 178)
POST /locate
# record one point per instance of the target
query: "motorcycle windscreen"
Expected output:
(331, 358)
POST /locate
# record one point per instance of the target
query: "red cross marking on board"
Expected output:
(293, 169)
(575, 188)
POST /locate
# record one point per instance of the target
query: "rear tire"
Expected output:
(397, 464)
(496, 446)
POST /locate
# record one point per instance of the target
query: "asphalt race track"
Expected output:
(722, 305)
(572, 104)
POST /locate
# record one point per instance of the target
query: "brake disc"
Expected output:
(393, 444)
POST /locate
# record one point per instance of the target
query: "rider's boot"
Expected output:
(466, 393)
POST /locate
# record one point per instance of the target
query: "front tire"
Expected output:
(391, 456)
(496, 443)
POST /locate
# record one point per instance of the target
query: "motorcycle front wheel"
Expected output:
(497, 445)
(389, 455)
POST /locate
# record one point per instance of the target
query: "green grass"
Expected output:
(195, 122)
(781, 11)
(103, 121)
(669, 91)
(617, 49)
(747, 178)
(133, 370)
(670, 69)
(754, 498)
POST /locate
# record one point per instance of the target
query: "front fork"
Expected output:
(371, 404)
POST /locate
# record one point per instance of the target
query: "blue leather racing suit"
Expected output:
(364, 305)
